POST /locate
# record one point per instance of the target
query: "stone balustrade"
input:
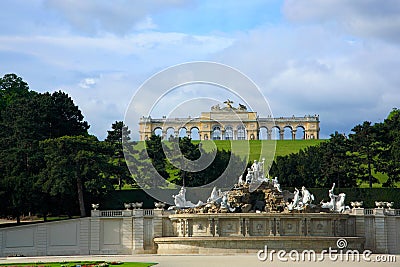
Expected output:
(155, 231)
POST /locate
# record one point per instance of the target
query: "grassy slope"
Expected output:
(281, 147)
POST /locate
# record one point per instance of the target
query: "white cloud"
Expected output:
(366, 18)
(309, 68)
(87, 83)
(103, 16)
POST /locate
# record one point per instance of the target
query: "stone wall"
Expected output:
(134, 232)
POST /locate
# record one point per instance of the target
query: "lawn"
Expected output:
(242, 147)
(80, 264)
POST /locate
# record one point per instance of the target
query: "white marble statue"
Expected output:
(340, 206)
(307, 196)
(276, 184)
(249, 176)
(295, 205)
(181, 202)
(331, 205)
(240, 180)
(336, 203)
(254, 167)
(215, 195)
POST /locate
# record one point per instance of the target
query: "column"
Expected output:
(269, 134)
(216, 227)
(127, 234)
(138, 235)
(278, 226)
(294, 134)
(360, 222)
(94, 235)
(158, 223)
(247, 226)
(84, 235)
(281, 134)
(380, 231)
(271, 226)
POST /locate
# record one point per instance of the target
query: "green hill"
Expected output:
(241, 147)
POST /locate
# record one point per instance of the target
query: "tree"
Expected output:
(363, 144)
(115, 137)
(337, 163)
(27, 117)
(389, 147)
(12, 88)
(75, 166)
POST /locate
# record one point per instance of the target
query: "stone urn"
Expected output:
(139, 205)
(379, 204)
(356, 204)
(127, 206)
(133, 205)
(390, 205)
(159, 205)
(95, 206)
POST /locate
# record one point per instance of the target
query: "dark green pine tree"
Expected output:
(364, 146)
(76, 167)
(119, 133)
(388, 137)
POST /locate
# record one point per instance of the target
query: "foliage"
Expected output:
(75, 166)
(346, 161)
(115, 137)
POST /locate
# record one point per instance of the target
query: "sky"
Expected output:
(339, 59)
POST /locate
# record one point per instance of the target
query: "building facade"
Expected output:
(230, 123)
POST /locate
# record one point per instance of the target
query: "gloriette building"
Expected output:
(231, 123)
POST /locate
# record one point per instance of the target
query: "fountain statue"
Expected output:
(336, 204)
(307, 196)
(181, 202)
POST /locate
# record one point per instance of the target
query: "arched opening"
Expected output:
(194, 133)
(263, 133)
(228, 133)
(158, 131)
(300, 133)
(182, 132)
(216, 133)
(275, 135)
(170, 133)
(287, 133)
(241, 133)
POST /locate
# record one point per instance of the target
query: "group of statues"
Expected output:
(300, 201)
(256, 174)
(336, 203)
(181, 202)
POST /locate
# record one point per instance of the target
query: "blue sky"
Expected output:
(336, 58)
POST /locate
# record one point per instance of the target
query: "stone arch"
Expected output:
(300, 132)
(263, 133)
(216, 133)
(275, 133)
(287, 132)
(241, 133)
(170, 133)
(158, 131)
(195, 133)
(228, 135)
(182, 132)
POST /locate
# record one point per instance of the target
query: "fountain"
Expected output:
(241, 219)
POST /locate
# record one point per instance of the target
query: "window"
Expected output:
(228, 133)
(241, 133)
(216, 133)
